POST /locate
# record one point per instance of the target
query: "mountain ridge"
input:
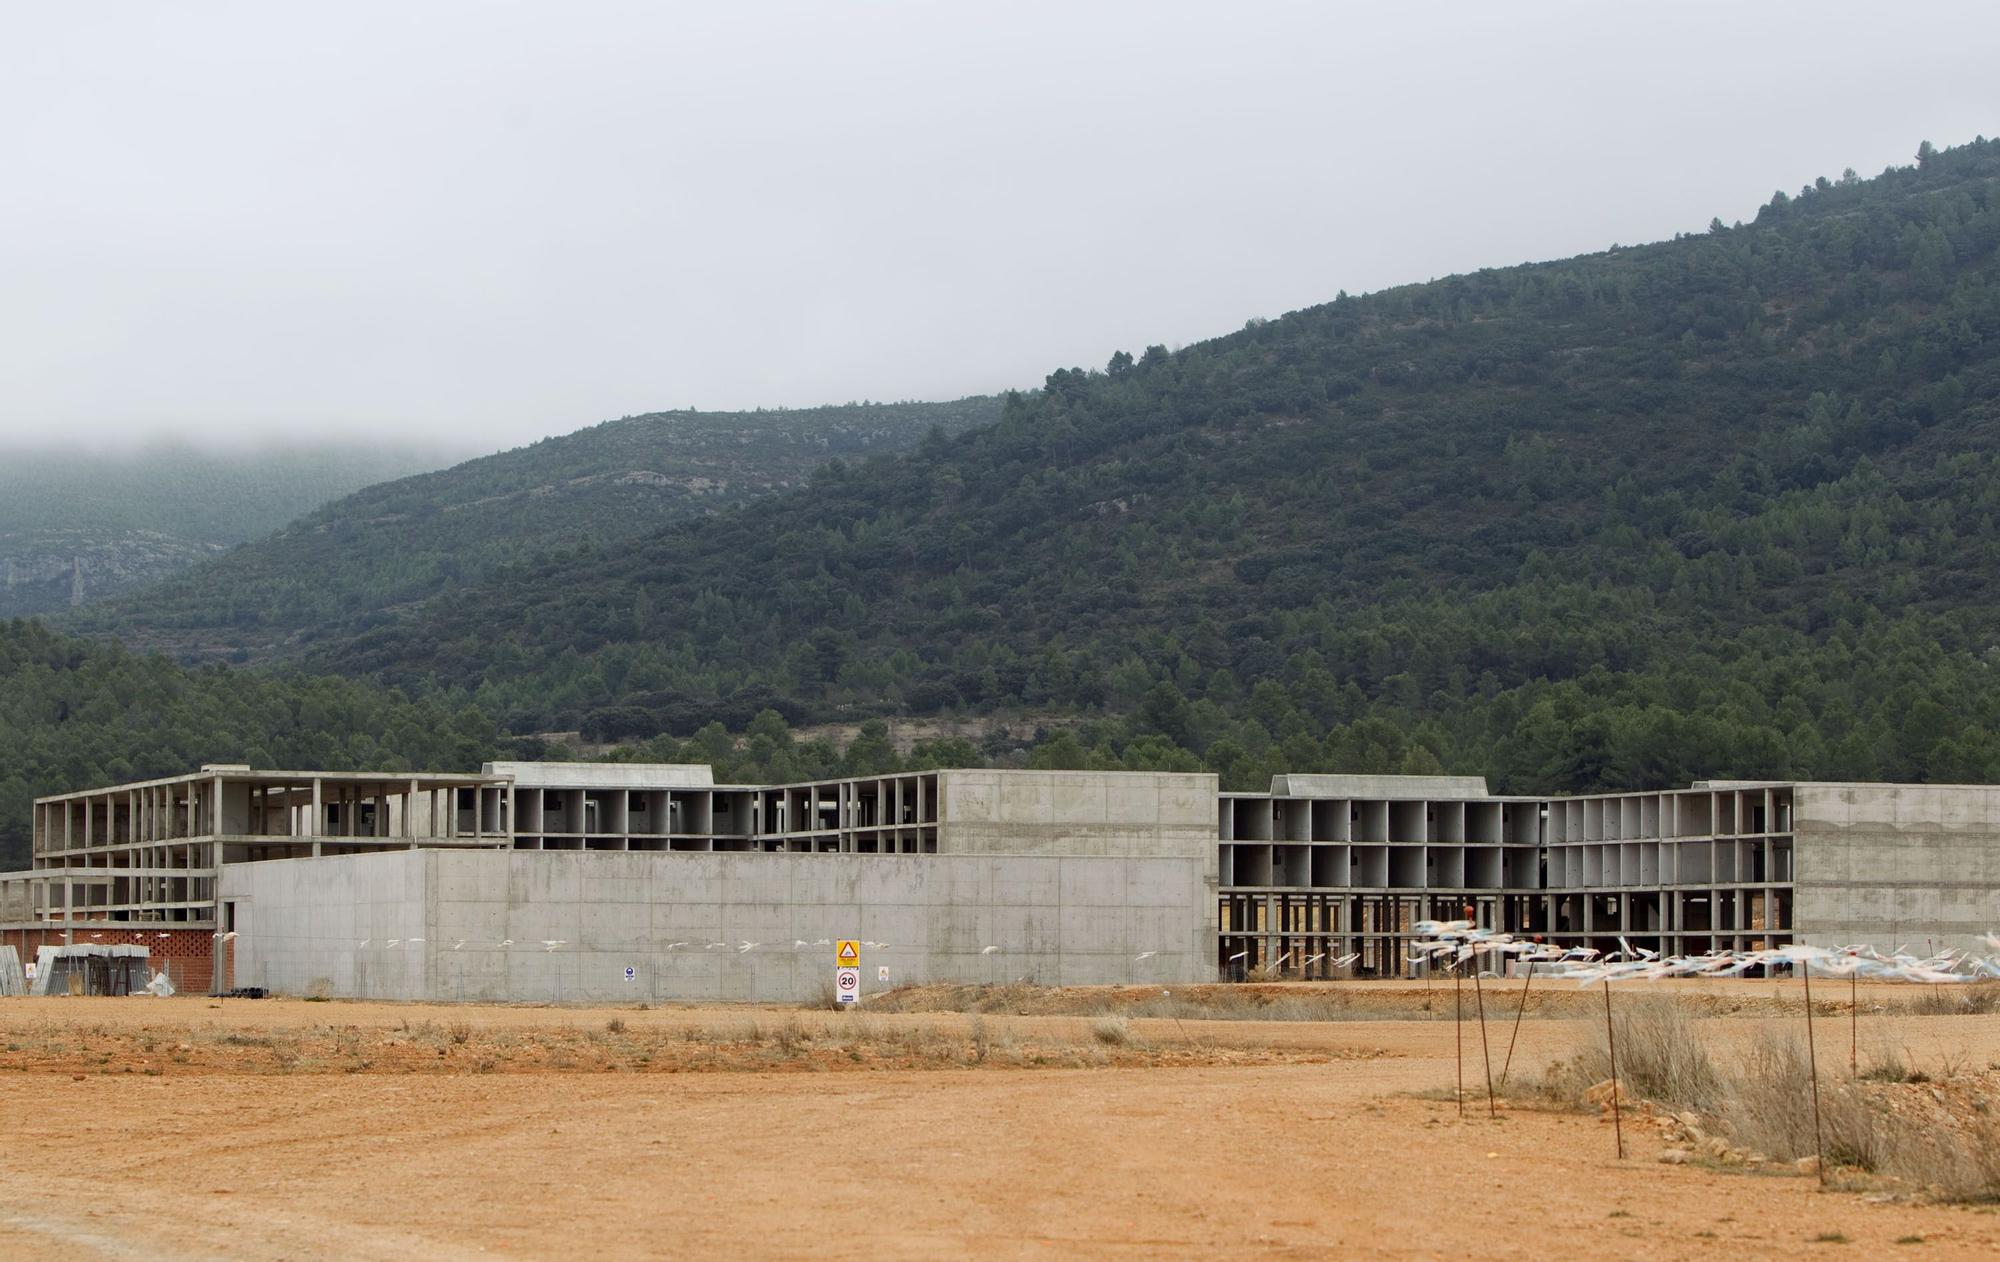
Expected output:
(1770, 428)
(79, 526)
(388, 547)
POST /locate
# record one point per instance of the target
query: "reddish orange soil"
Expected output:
(1258, 1139)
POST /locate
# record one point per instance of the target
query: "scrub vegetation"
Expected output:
(1718, 505)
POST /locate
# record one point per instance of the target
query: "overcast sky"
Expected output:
(487, 222)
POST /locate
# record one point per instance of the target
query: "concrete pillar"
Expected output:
(479, 811)
(318, 814)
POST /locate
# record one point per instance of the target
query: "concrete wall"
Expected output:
(1077, 813)
(1088, 813)
(485, 916)
(1889, 865)
(307, 924)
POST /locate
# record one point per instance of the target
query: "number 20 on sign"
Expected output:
(847, 985)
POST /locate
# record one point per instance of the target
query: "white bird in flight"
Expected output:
(551, 944)
(990, 950)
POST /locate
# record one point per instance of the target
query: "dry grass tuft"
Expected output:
(1890, 1122)
(1111, 1031)
(1661, 1056)
(1955, 1000)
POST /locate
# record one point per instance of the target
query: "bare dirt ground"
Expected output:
(195, 1128)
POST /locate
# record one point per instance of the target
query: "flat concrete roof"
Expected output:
(424, 779)
(605, 775)
(1367, 786)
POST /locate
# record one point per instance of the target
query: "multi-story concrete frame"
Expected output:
(626, 806)
(1326, 867)
(142, 862)
(976, 875)
(1065, 876)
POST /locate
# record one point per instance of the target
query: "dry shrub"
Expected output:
(1768, 1108)
(1111, 1031)
(1763, 1102)
(1888, 1064)
(980, 1037)
(1957, 1158)
(1955, 1000)
(1661, 1056)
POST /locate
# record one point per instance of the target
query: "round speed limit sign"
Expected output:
(847, 985)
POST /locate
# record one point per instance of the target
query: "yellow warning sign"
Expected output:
(847, 953)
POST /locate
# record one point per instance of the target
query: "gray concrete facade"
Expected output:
(1890, 865)
(971, 875)
(564, 927)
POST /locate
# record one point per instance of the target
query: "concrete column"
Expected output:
(318, 814)
(479, 811)
(511, 824)
(410, 812)
(217, 977)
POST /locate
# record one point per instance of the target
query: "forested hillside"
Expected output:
(356, 561)
(1719, 505)
(78, 526)
(75, 714)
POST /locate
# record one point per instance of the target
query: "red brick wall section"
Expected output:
(182, 954)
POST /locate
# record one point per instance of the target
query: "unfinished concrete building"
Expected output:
(603, 881)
